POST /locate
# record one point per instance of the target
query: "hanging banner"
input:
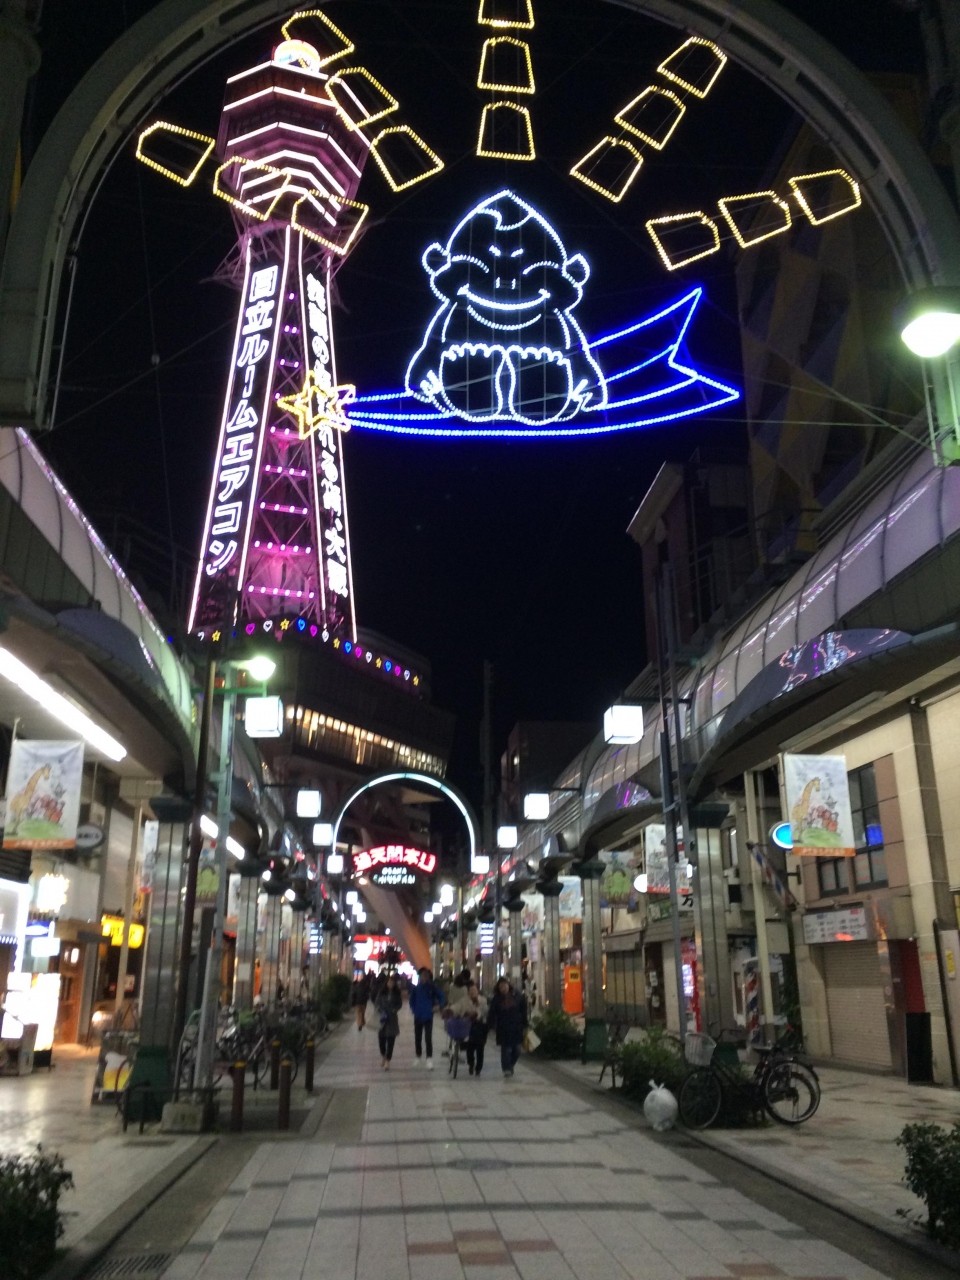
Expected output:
(655, 860)
(818, 801)
(616, 883)
(43, 794)
(531, 918)
(571, 898)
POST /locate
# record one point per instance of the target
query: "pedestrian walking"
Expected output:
(425, 998)
(508, 1017)
(388, 1004)
(471, 1004)
(359, 998)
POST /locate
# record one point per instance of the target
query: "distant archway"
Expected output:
(420, 779)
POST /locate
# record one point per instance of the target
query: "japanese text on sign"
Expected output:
(395, 855)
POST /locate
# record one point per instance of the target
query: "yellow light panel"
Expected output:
(199, 154)
(313, 27)
(249, 166)
(517, 14)
(744, 238)
(805, 204)
(694, 66)
(392, 147)
(506, 66)
(675, 219)
(609, 168)
(359, 97)
(321, 221)
(494, 124)
(652, 115)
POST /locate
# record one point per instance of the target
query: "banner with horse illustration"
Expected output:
(818, 800)
(43, 794)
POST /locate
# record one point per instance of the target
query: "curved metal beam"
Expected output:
(424, 779)
(899, 181)
(113, 97)
(96, 119)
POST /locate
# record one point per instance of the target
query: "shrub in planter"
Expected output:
(933, 1174)
(335, 996)
(30, 1225)
(559, 1034)
(656, 1057)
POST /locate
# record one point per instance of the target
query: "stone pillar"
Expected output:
(716, 1010)
(159, 979)
(594, 1004)
(515, 909)
(552, 995)
(246, 941)
(269, 967)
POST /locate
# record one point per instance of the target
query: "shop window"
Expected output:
(832, 874)
(869, 863)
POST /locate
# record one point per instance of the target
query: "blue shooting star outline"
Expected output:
(678, 376)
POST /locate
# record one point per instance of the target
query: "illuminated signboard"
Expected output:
(394, 877)
(112, 927)
(504, 355)
(395, 855)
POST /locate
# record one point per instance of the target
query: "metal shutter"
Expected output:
(855, 1003)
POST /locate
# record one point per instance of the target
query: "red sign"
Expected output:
(396, 855)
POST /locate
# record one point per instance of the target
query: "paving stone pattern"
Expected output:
(483, 1180)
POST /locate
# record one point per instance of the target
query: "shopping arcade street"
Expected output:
(415, 1177)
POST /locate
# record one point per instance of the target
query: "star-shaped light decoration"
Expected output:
(316, 406)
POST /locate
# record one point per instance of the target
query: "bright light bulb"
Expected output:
(323, 835)
(932, 334)
(335, 864)
(536, 806)
(308, 803)
(261, 667)
(236, 848)
(428, 917)
(507, 837)
(289, 896)
(352, 897)
(689, 870)
(265, 876)
(437, 907)
(446, 895)
(209, 827)
(57, 705)
(640, 883)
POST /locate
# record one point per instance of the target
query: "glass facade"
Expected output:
(327, 734)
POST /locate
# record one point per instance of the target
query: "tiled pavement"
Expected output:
(847, 1153)
(413, 1176)
(53, 1108)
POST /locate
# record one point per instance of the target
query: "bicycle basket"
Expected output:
(698, 1049)
(458, 1028)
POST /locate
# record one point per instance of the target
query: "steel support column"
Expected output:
(552, 986)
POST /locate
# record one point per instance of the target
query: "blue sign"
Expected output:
(504, 355)
(782, 835)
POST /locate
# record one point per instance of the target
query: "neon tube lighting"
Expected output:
(57, 705)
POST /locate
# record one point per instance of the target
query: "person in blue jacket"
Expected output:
(425, 997)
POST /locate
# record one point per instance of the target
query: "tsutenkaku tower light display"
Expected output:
(294, 137)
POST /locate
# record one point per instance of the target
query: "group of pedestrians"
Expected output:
(505, 1015)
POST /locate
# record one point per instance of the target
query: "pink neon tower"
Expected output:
(276, 540)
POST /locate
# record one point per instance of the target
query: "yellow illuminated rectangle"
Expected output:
(506, 66)
(677, 221)
(517, 14)
(806, 203)
(112, 927)
(743, 238)
(610, 168)
(494, 123)
(694, 66)
(652, 115)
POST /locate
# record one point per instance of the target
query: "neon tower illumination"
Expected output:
(276, 537)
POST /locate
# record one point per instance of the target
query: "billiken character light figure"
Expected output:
(504, 343)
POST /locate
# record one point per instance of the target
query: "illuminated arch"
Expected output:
(113, 99)
(423, 779)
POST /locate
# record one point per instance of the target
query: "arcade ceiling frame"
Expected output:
(114, 98)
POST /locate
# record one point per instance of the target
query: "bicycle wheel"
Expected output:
(791, 1093)
(701, 1097)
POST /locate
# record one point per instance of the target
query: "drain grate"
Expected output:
(136, 1264)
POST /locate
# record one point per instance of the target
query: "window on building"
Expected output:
(832, 873)
(869, 863)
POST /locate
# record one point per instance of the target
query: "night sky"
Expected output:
(508, 550)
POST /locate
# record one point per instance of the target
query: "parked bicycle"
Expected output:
(782, 1084)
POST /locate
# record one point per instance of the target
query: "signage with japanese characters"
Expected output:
(395, 855)
(849, 925)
